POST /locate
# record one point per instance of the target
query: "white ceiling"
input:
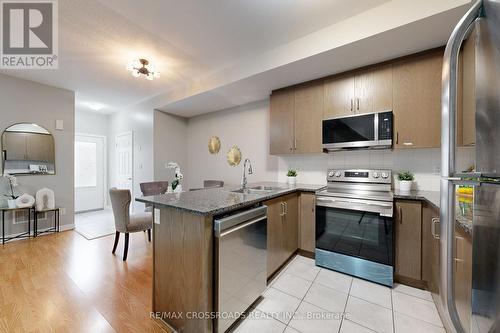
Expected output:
(185, 40)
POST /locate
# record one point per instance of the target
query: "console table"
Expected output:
(22, 235)
(55, 228)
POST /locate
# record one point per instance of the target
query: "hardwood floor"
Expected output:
(65, 283)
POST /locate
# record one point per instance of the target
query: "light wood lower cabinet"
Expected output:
(430, 247)
(463, 276)
(307, 222)
(408, 226)
(282, 230)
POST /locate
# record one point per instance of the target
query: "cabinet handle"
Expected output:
(397, 137)
(400, 216)
(313, 205)
(286, 207)
(408, 143)
(435, 235)
(351, 105)
(295, 144)
(358, 102)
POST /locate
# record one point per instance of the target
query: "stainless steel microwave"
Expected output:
(360, 131)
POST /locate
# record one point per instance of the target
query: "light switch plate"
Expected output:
(59, 125)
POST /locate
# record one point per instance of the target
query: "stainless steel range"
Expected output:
(354, 225)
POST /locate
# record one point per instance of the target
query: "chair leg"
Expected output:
(117, 237)
(125, 249)
(149, 235)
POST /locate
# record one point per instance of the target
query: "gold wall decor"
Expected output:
(234, 156)
(214, 145)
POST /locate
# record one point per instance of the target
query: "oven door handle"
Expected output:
(384, 209)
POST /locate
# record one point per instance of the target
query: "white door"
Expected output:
(90, 172)
(124, 161)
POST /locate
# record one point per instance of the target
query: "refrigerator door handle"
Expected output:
(448, 145)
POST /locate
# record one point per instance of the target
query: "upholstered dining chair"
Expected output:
(153, 188)
(124, 221)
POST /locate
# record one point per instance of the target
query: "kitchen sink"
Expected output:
(258, 189)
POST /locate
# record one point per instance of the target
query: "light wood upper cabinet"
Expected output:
(408, 225)
(308, 117)
(339, 97)
(307, 222)
(382, 88)
(282, 122)
(417, 101)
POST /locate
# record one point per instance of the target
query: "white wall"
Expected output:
(26, 101)
(170, 145)
(91, 123)
(247, 127)
(139, 120)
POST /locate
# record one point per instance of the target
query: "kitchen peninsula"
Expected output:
(184, 276)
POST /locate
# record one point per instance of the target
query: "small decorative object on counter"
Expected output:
(176, 186)
(45, 199)
(25, 201)
(405, 181)
(234, 156)
(11, 197)
(214, 144)
(292, 176)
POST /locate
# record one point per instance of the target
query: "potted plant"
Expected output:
(176, 183)
(292, 176)
(11, 201)
(405, 181)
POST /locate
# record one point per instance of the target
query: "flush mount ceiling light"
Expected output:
(142, 66)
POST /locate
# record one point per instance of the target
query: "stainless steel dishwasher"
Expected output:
(240, 263)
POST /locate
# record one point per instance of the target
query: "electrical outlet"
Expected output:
(437, 169)
(62, 211)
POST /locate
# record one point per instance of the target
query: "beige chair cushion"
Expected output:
(140, 222)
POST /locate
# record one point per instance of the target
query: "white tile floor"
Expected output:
(304, 298)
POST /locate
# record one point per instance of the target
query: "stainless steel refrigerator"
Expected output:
(482, 24)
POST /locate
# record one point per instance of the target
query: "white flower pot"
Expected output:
(405, 185)
(292, 180)
(11, 203)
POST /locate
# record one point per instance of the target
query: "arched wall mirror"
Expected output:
(28, 149)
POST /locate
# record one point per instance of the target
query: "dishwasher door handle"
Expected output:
(239, 226)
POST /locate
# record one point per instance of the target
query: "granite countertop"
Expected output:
(463, 211)
(215, 201)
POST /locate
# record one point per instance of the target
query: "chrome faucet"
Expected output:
(244, 179)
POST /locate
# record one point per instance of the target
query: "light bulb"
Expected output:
(135, 73)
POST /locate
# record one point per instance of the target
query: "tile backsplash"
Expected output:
(424, 163)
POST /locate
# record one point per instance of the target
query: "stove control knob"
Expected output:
(375, 174)
(330, 173)
(338, 174)
(385, 175)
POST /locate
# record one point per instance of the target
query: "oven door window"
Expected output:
(349, 129)
(354, 233)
